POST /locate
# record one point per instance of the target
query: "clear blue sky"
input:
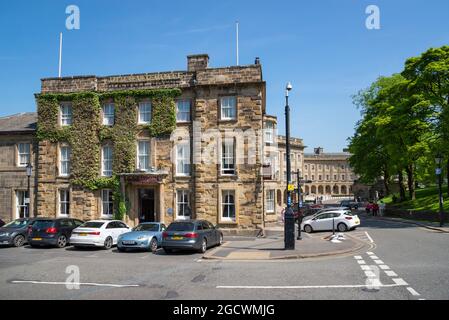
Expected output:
(322, 47)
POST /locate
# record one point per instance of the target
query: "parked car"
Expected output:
(196, 235)
(51, 231)
(147, 236)
(98, 233)
(350, 204)
(341, 220)
(2, 223)
(15, 232)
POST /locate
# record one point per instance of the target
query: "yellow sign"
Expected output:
(291, 187)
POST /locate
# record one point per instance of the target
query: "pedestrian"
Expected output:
(375, 209)
(368, 207)
(381, 208)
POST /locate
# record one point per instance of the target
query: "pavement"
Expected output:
(425, 224)
(272, 247)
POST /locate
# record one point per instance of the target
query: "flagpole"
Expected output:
(60, 55)
(237, 40)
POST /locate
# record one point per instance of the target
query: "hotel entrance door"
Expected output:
(146, 205)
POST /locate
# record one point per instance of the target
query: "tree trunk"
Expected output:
(411, 181)
(386, 183)
(401, 186)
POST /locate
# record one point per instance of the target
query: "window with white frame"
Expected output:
(107, 203)
(183, 110)
(270, 201)
(66, 114)
(228, 205)
(23, 154)
(64, 202)
(108, 114)
(106, 157)
(228, 157)
(143, 155)
(64, 159)
(21, 204)
(183, 159)
(228, 108)
(183, 204)
(144, 112)
(269, 132)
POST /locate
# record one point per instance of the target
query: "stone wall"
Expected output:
(12, 177)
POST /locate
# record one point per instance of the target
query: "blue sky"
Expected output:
(322, 47)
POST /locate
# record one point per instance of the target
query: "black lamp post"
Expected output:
(29, 168)
(438, 161)
(289, 216)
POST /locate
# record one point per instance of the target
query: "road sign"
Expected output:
(291, 187)
(438, 171)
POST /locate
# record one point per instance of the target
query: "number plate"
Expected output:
(37, 239)
(128, 242)
(177, 238)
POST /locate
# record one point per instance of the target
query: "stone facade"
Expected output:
(206, 186)
(14, 131)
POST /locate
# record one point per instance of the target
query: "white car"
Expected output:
(341, 220)
(98, 233)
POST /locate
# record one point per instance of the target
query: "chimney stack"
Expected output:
(197, 62)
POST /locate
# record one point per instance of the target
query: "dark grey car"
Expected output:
(191, 235)
(15, 232)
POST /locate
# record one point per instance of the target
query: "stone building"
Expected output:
(167, 180)
(330, 173)
(18, 147)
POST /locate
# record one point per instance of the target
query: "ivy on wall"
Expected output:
(86, 135)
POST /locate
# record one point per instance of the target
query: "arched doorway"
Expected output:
(344, 190)
(328, 189)
(335, 190)
(307, 190)
(320, 190)
(313, 190)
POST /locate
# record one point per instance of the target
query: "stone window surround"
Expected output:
(138, 111)
(190, 113)
(226, 187)
(57, 199)
(16, 153)
(58, 160)
(150, 154)
(101, 202)
(110, 102)
(177, 174)
(227, 95)
(189, 194)
(221, 141)
(107, 144)
(61, 104)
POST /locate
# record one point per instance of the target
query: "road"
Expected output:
(413, 263)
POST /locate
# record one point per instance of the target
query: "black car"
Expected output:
(2, 223)
(52, 232)
(191, 235)
(349, 204)
(15, 232)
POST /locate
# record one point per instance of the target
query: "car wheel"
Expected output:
(203, 246)
(220, 242)
(108, 243)
(308, 228)
(168, 250)
(342, 227)
(62, 241)
(19, 240)
(153, 245)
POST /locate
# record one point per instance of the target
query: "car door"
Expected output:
(64, 227)
(111, 231)
(209, 233)
(322, 222)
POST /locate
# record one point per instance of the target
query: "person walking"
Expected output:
(381, 208)
(375, 209)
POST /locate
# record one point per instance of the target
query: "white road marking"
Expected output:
(361, 262)
(400, 281)
(384, 267)
(365, 268)
(370, 239)
(379, 261)
(308, 287)
(374, 257)
(413, 291)
(370, 253)
(370, 274)
(391, 273)
(76, 283)
(358, 257)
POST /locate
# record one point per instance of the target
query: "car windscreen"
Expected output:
(43, 224)
(349, 213)
(147, 227)
(181, 226)
(92, 224)
(16, 224)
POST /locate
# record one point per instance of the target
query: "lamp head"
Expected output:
(289, 86)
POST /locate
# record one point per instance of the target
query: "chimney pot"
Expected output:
(197, 62)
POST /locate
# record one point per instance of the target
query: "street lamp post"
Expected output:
(29, 168)
(438, 161)
(289, 216)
